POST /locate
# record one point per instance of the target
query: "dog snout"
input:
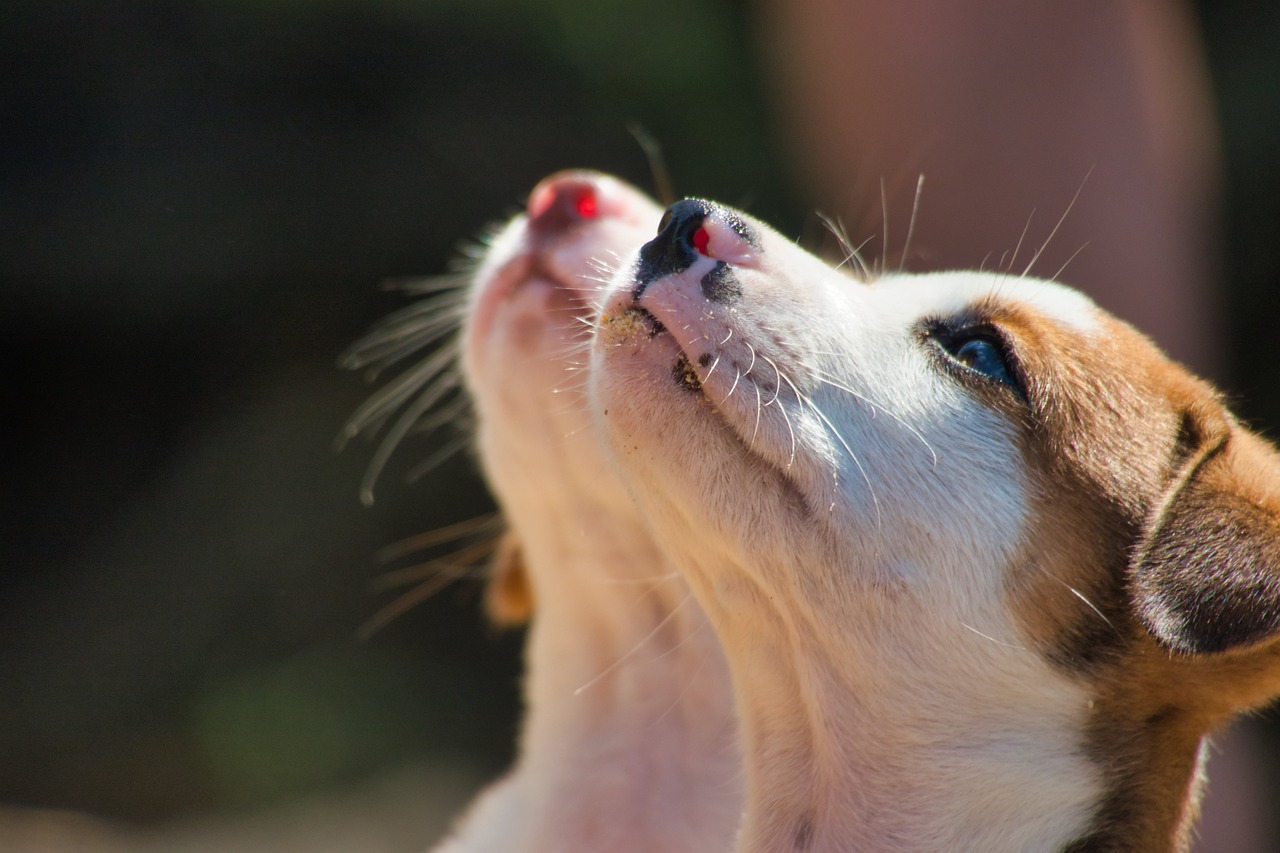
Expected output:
(562, 201)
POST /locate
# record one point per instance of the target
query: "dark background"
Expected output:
(197, 204)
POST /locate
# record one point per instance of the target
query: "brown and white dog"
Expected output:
(629, 741)
(986, 565)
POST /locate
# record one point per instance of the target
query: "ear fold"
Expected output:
(508, 597)
(1206, 577)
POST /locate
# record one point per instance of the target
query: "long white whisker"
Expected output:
(1068, 261)
(992, 639)
(392, 352)
(400, 429)
(847, 249)
(826, 380)
(736, 378)
(884, 216)
(1061, 220)
(447, 413)
(436, 459)
(777, 389)
(390, 398)
(1078, 594)
(853, 457)
(712, 369)
(1018, 246)
(911, 225)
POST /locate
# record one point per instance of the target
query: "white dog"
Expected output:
(629, 742)
(986, 566)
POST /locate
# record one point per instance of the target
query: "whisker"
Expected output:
(423, 284)
(1018, 246)
(652, 579)
(826, 380)
(487, 523)
(450, 412)
(406, 602)
(1061, 220)
(736, 378)
(464, 561)
(657, 164)
(423, 327)
(400, 429)
(1068, 261)
(756, 429)
(911, 224)
(395, 351)
(712, 370)
(992, 639)
(785, 417)
(1078, 594)
(853, 457)
(847, 249)
(433, 461)
(884, 217)
(392, 396)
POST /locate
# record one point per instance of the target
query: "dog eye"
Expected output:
(982, 352)
(984, 356)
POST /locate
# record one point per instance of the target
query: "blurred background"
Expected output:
(198, 202)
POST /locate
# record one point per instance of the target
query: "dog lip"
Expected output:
(698, 368)
(528, 267)
(515, 272)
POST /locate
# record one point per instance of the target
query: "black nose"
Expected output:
(672, 251)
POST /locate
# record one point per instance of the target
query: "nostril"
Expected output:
(560, 202)
(586, 204)
(701, 240)
(680, 239)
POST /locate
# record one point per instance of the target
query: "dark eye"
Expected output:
(983, 355)
(980, 350)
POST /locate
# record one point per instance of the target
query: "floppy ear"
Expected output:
(508, 597)
(1206, 576)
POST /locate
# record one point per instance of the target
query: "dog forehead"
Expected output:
(943, 294)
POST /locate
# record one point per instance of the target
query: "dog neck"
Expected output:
(876, 745)
(627, 687)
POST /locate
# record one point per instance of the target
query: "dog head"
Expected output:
(963, 494)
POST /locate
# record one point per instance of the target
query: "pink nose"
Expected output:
(563, 200)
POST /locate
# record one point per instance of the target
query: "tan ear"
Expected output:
(508, 597)
(1206, 576)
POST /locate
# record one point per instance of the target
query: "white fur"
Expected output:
(845, 510)
(629, 742)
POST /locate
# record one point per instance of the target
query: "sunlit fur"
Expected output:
(628, 741)
(872, 529)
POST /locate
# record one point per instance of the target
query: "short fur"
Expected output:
(629, 740)
(962, 610)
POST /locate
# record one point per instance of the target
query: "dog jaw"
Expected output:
(925, 577)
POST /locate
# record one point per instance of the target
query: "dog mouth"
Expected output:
(757, 414)
(684, 374)
(691, 310)
(640, 323)
(636, 318)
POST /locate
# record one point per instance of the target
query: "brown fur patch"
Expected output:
(1111, 428)
(508, 596)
